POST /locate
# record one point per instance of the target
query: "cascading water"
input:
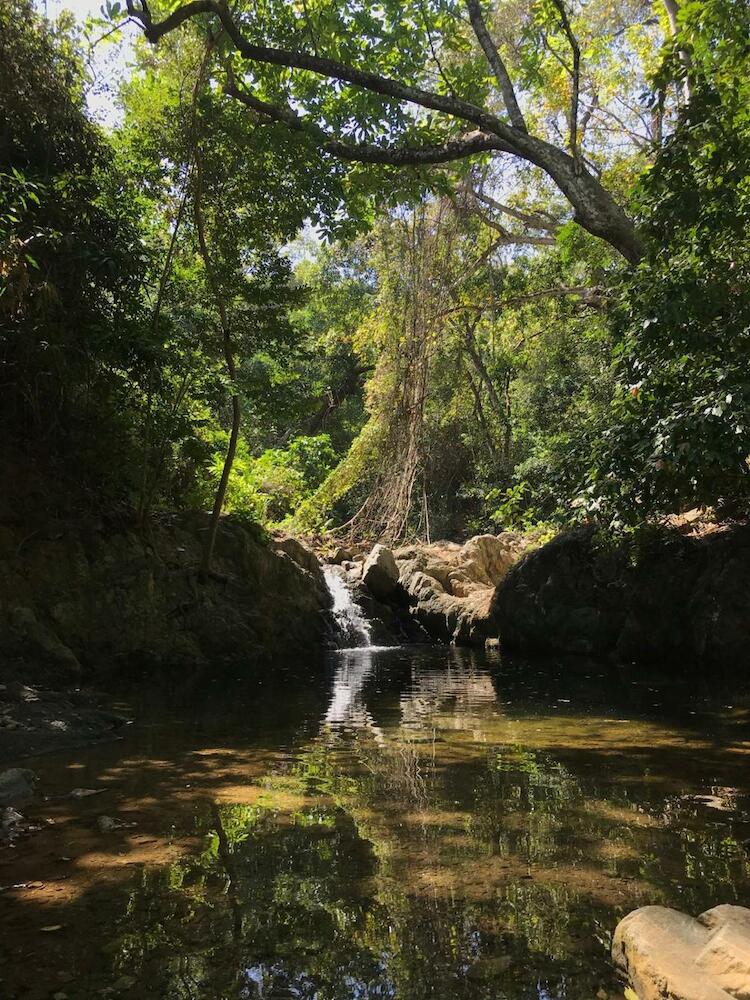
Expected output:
(352, 626)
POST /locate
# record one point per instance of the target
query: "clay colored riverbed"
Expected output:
(425, 823)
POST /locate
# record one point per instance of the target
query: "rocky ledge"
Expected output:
(83, 600)
(660, 597)
(444, 589)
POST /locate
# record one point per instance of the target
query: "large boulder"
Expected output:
(302, 554)
(108, 597)
(667, 955)
(660, 597)
(450, 587)
(380, 572)
(567, 596)
(483, 562)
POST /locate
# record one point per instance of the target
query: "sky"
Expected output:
(108, 63)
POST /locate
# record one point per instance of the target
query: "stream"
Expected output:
(411, 823)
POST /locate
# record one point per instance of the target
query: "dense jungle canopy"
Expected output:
(425, 268)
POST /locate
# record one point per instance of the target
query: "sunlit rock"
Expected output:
(668, 955)
(450, 586)
(380, 572)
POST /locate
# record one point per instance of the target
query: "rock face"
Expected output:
(670, 597)
(668, 955)
(448, 588)
(90, 599)
(380, 572)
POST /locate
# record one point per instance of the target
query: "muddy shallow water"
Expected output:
(419, 823)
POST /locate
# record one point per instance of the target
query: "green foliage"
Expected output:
(680, 428)
(272, 486)
(422, 357)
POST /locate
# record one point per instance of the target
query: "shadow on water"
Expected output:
(422, 823)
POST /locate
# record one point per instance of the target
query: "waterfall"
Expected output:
(352, 626)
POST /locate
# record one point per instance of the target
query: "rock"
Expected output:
(484, 560)
(107, 824)
(16, 786)
(342, 555)
(659, 597)
(380, 573)
(10, 821)
(450, 586)
(299, 552)
(353, 570)
(27, 633)
(115, 599)
(668, 955)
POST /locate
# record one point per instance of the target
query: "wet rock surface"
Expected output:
(668, 955)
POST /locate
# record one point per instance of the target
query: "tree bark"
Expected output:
(228, 349)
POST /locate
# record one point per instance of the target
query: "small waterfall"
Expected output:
(353, 627)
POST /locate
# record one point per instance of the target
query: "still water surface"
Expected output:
(418, 823)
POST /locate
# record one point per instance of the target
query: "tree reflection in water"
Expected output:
(433, 841)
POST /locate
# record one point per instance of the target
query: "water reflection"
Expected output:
(446, 827)
(457, 696)
(347, 708)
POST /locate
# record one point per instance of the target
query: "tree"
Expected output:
(375, 54)
(679, 430)
(72, 263)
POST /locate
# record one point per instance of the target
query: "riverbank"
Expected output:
(84, 607)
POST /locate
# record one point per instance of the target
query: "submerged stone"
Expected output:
(16, 786)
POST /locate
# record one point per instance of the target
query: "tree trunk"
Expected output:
(221, 489)
(481, 369)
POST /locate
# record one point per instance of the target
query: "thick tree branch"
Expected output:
(595, 209)
(364, 152)
(320, 65)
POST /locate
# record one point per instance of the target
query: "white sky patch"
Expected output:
(108, 62)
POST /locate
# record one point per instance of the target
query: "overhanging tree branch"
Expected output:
(595, 208)
(365, 152)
